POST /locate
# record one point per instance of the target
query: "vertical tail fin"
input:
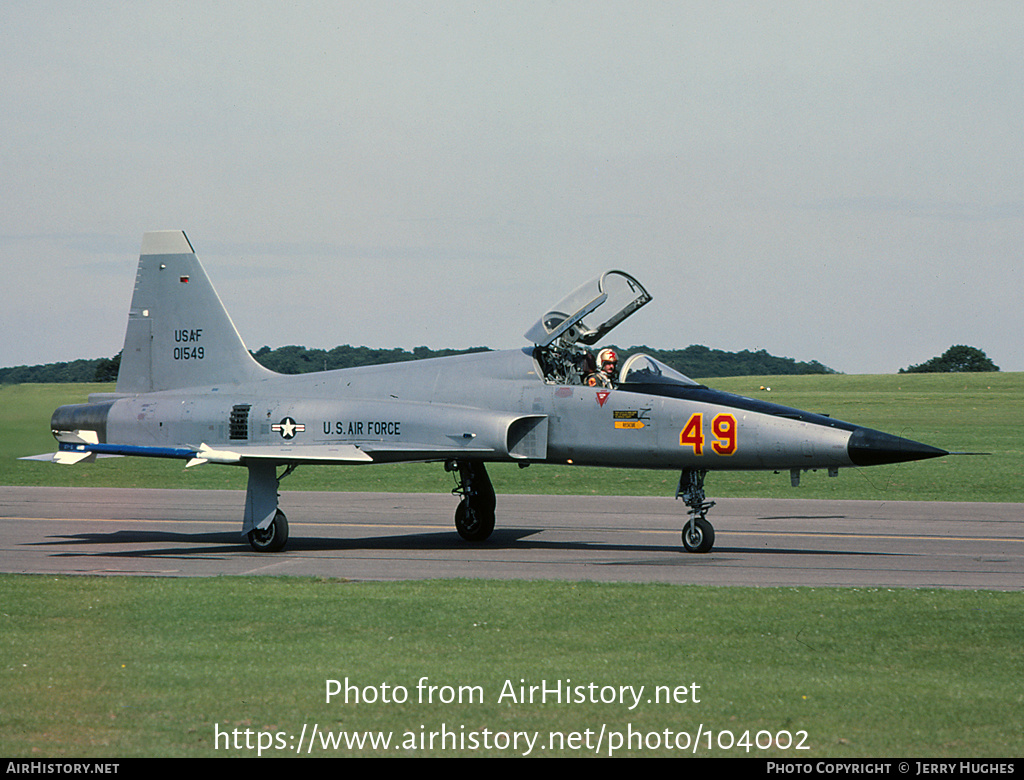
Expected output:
(179, 334)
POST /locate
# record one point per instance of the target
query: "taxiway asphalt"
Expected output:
(399, 536)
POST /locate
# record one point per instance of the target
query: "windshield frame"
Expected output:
(647, 370)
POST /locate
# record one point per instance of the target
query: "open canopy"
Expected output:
(590, 311)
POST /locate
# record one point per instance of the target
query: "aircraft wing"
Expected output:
(490, 436)
(370, 452)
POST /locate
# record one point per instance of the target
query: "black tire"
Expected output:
(473, 525)
(273, 538)
(700, 538)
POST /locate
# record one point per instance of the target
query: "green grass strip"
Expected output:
(126, 667)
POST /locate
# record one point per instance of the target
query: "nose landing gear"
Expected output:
(698, 533)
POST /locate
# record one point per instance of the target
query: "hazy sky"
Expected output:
(841, 182)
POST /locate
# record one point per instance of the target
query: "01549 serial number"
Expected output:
(187, 338)
(189, 353)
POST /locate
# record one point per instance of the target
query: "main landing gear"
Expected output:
(264, 524)
(474, 516)
(698, 533)
(273, 538)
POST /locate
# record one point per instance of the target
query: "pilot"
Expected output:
(605, 375)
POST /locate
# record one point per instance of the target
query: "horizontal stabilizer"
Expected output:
(68, 457)
(78, 437)
(71, 458)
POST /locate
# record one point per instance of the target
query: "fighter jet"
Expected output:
(189, 389)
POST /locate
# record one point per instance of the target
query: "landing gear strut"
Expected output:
(698, 533)
(264, 524)
(474, 516)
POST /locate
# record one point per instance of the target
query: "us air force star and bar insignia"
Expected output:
(288, 428)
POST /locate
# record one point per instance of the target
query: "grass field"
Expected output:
(136, 666)
(961, 412)
(118, 667)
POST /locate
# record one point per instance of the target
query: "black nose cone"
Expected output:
(871, 448)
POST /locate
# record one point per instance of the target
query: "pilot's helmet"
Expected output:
(606, 357)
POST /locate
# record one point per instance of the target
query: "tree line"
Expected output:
(957, 359)
(694, 361)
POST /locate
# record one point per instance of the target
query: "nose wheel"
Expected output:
(698, 535)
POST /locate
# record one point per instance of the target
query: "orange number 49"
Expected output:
(723, 429)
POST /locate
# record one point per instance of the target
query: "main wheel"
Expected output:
(700, 538)
(272, 538)
(473, 524)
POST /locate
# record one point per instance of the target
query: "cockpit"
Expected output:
(564, 333)
(641, 369)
